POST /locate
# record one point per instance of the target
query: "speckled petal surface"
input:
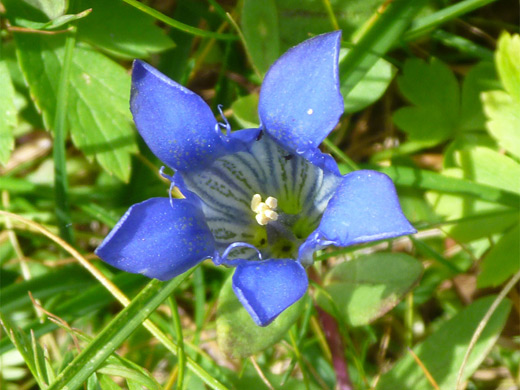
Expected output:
(266, 288)
(364, 208)
(176, 124)
(159, 239)
(300, 102)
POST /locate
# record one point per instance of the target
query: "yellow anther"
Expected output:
(272, 215)
(255, 201)
(264, 211)
(271, 202)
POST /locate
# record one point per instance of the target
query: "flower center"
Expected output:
(263, 196)
(264, 210)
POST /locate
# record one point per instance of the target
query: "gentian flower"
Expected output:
(260, 200)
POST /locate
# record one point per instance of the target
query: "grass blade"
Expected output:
(377, 40)
(427, 180)
(60, 137)
(178, 25)
(428, 23)
(115, 333)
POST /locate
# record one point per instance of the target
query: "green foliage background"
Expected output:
(432, 98)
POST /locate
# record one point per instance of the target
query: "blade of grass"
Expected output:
(115, 333)
(61, 185)
(429, 251)
(463, 45)
(427, 180)
(377, 40)
(425, 24)
(180, 341)
(351, 165)
(178, 25)
(301, 336)
(199, 291)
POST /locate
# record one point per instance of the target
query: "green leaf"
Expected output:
(367, 287)
(508, 63)
(98, 115)
(433, 90)
(370, 88)
(501, 261)
(7, 113)
(503, 113)
(245, 111)
(486, 166)
(480, 78)
(237, 334)
(260, 27)
(442, 352)
(121, 29)
(51, 8)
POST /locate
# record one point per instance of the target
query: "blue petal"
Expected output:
(176, 124)
(266, 288)
(159, 239)
(364, 208)
(300, 101)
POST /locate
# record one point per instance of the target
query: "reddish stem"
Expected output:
(335, 342)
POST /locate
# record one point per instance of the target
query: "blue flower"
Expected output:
(261, 200)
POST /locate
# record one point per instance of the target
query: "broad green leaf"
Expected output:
(367, 287)
(508, 63)
(245, 111)
(7, 113)
(434, 92)
(51, 8)
(370, 88)
(480, 78)
(486, 166)
(502, 261)
(98, 115)
(260, 27)
(238, 335)
(443, 351)
(121, 29)
(503, 113)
